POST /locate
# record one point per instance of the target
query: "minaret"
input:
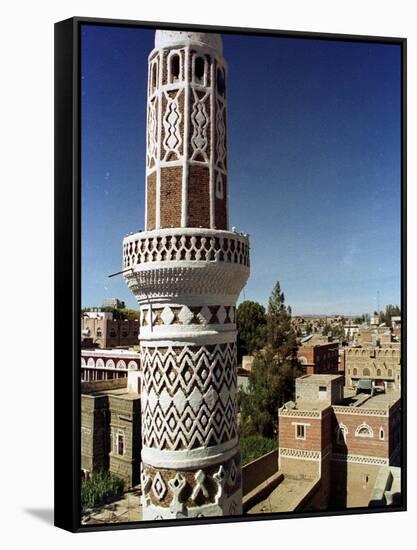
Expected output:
(186, 271)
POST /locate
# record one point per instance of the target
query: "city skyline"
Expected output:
(319, 193)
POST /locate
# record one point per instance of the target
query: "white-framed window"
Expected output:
(219, 187)
(300, 431)
(117, 442)
(200, 70)
(341, 434)
(364, 430)
(154, 76)
(174, 67)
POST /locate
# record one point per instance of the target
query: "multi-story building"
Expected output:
(111, 428)
(105, 364)
(381, 365)
(114, 303)
(373, 336)
(103, 331)
(341, 441)
(319, 358)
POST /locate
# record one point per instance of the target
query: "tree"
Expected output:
(251, 326)
(390, 311)
(271, 382)
(122, 313)
(281, 336)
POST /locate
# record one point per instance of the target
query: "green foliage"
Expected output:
(364, 318)
(271, 382)
(123, 313)
(281, 336)
(254, 446)
(251, 326)
(98, 488)
(390, 311)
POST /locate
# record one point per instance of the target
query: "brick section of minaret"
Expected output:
(151, 204)
(220, 206)
(198, 211)
(171, 195)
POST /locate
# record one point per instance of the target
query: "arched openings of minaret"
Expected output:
(174, 67)
(219, 186)
(200, 70)
(220, 201)
(154, 77)
(220, 82)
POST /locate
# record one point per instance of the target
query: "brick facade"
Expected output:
(344, 442)
(171, 197)
(107, 413)
(383, 365)
(319, 358)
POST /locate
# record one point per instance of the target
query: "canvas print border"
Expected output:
(68, 267)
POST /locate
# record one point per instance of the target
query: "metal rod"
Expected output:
(120, 272)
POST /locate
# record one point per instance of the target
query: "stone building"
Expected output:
(111, 428)
(186, 271)
(320, 358)
(105, 364)
(373, 336)
(343, 442)
(99, 328)
(114, 303)
(381, 365)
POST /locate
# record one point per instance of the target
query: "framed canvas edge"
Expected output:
(67, 270)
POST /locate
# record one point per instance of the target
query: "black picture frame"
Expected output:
(68, 268)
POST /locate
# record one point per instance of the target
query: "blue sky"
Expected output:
(314, 165)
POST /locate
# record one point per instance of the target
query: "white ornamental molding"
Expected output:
(172, 125)
(338, 409)
(200, 123)
(359, 459)
(152, 133)
(185, 245)
(299, 454)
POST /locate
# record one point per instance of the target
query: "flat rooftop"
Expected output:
(121, 392)
(317, 378)
(365, 401)
(284, 498)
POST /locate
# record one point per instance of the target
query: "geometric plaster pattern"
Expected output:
(180, 489)
(204, 246)
(187, 315)
(188, 396)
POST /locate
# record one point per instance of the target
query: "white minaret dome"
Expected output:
(166, 39)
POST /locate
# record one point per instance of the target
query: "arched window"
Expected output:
(390, 373)
(378, 372)
(341, 433)
(221, 85)
(174, 66)
(355, 372)
(199, 69)
(154, 77)
(99, 333)
(219, 187)
(366, 372)
(364, 431)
